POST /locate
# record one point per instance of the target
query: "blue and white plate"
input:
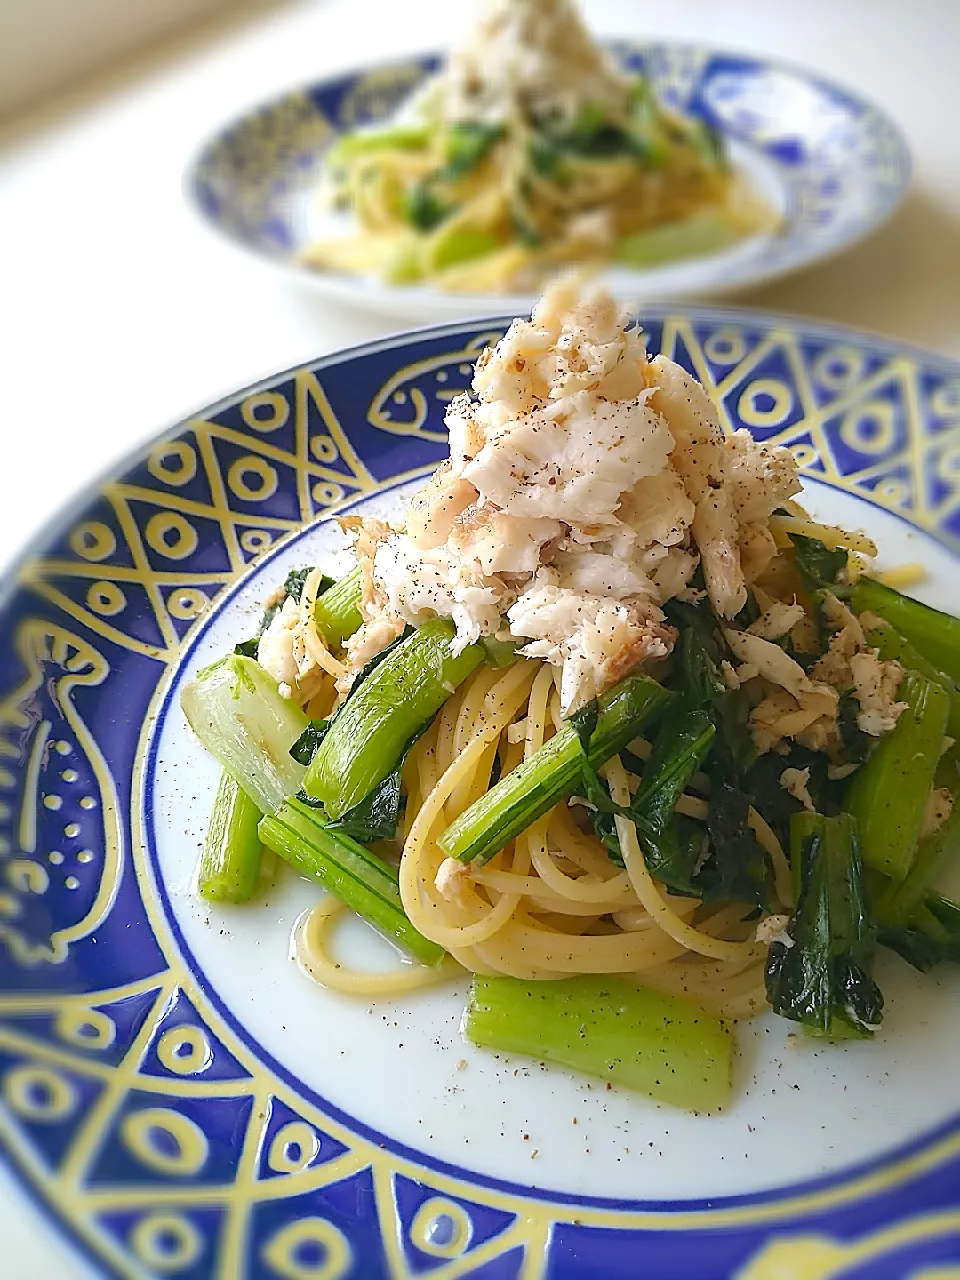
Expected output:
(833, 165)
(183, 1102)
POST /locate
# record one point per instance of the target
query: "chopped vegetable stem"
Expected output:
(656, 1044)
(229, 867)
(337, 611)
(818, 972)
(892, 645)
(888, 795)
(236, 710)
(935, 634)
(535, 785)
(392, 706)
(356, 876)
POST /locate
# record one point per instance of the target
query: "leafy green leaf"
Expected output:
(466, 143)
(583, 722)
(818, 567)
(305, 747)
(248, 648)
(737, 869)
(822, 978)
(856, 743)
(592, 133)
(545, 156)
(700, 682)
(424, 208)
(377, 814)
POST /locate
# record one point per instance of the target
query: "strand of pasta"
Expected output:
(831, 535)
(524, 942)
(738, 996)
(616, 890)
(527, 847)
(579, 849)
(638, 917)
(470, 715)
(766, 837)
(312, 937)
(312, 640)
(417, 871)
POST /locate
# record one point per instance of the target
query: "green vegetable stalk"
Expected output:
(896, 903)
(236, 710)
(337, 611)
(935, 634)
(356, 876)
(535, 785)
(819, 975)
(657, 1044)
(929, 937)
(693, 238)
(892, 645)
(229, 866)
(392, 706)
(887, 795)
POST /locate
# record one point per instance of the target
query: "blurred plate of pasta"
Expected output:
(428, 190)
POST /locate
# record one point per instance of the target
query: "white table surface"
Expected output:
(120, 313)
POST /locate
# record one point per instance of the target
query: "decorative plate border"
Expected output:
(163, 1139)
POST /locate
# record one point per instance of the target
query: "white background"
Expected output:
(120, 314)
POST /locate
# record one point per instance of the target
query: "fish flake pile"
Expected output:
(585, 484)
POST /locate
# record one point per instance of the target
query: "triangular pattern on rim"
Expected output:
(290, 1144)
(183, 1047)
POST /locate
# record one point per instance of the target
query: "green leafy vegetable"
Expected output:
(682, 744)
(856, 744)
(402, 138)
(377, 815)
(892, 645)
(545, 156)
(821, 978)
(737, 868)
(552, 772)
(701, 684)
(401, 695)
(236, 710)
(894, 902)
(337, 611)
(229, 865)
(819, 567)
(425, 209)
(306, 746)
(466, 144)
(458, 244)
(499, 653)
(930, 937)
(693, 237)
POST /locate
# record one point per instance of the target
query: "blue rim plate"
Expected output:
(183, 1102)
(832, 163)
